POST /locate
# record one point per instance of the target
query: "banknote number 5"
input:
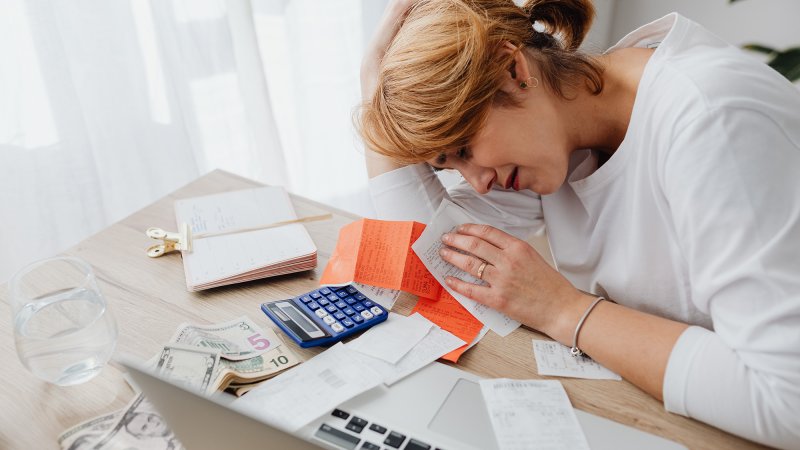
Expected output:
(258, 342)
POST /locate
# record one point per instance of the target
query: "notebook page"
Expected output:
(220, 257)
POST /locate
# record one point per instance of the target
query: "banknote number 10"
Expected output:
(280, 360)
(258, 342)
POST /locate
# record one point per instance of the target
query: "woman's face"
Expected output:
(520, 148)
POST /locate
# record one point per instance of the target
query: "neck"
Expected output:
(600, 122)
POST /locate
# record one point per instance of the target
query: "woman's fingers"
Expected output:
(468, 263)
(474, 246)
(481, 294)
(488, 233)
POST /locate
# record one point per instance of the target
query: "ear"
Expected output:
(518, 71)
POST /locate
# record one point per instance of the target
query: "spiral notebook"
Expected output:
(235, 238)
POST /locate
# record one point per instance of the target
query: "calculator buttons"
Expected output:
(333, 298)
(342, 294)
(377, 428)
(366, 315)
(376, 310)
(350, 300)
(329, 320)
(337, 327)
(339, 315)
(368, 304)
(341, 305)
(359, 307)
(305, 298)
(349, 311)
(360, 296)
(315, 295)
(357, 319)
(324, 291)
(321, 313)
(323, 302)
(356, 424)
(331, 308)
(313, 305)
(395, 439)
(348, 323)
(341, 414)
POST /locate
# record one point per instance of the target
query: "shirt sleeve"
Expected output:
(731, 180)
(414, 193)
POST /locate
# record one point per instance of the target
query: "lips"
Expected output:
(512, 180)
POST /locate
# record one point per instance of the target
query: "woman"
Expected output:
(665, 173)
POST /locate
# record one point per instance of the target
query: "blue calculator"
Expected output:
(325, 316)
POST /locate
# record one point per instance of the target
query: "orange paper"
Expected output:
(378, 253)
(452, 317)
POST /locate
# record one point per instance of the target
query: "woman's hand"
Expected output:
(392, 20)
(520, 283)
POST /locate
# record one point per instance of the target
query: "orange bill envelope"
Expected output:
(378, 253)
(452, 317)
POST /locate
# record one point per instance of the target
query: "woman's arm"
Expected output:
(392, 20)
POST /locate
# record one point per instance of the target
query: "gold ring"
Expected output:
(481, 269)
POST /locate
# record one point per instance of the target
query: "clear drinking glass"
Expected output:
(62, 327)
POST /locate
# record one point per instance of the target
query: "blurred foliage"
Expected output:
(786, 62)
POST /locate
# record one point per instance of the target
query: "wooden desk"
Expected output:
(148, 297)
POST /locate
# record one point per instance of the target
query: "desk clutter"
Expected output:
(244, 235)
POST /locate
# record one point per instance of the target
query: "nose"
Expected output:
(481, 178)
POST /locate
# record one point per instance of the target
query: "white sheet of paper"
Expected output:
(383, 296)
(529, 414)
(392, 339)
(434, 345)
(446, 219)
(305, 392)
(555, 359)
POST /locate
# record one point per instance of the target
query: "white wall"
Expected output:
(769, 22)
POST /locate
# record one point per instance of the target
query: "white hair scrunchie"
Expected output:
(538, 26)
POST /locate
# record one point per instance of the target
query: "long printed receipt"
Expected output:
(446, 219)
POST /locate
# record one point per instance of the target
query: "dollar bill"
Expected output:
(139, 427)
(256, 369)
(83, 435)
(194, 367)
(236, 340)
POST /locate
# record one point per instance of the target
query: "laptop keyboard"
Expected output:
(361, 434)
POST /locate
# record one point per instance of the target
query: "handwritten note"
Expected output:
(393, 339)
(555, 359)
(529, 414)
(447, 313)
(446, 219)
(378, 253)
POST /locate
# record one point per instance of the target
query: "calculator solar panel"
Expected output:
(325, 316)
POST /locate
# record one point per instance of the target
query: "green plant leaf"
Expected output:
(787, 63)
(760, 48)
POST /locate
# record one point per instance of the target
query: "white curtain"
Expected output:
(107, 105)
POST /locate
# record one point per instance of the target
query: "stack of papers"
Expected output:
(230, 243)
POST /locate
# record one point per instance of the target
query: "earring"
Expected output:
(527, 83)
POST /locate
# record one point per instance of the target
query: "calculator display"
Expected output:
(301, 320)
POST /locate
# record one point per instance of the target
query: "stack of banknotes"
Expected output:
(234, 356)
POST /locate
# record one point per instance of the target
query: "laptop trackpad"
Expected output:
(463, 416)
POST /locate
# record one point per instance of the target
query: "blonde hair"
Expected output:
(441, 72)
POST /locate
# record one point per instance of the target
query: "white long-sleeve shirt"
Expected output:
(696, 217)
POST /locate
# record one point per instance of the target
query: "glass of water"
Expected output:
(62, 327)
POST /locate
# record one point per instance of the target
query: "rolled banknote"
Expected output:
(256, 369)
(139, 427)
(194, 367)
(236, 340)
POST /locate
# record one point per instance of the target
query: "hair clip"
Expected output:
(538, 26)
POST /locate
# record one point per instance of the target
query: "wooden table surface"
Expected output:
(149, 299)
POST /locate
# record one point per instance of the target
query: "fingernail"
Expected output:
(444, 252)
(446, 237)
(449, 281)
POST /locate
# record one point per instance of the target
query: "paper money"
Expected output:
(235, 340)
(257, 369)
(83, 435)
(139, 427)
(194, 367)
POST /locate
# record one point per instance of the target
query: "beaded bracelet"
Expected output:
(575, 351)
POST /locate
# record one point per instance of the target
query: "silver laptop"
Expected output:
(436, 407)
